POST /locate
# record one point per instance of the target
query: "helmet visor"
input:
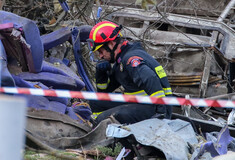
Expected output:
(91, 44)
(94, 46)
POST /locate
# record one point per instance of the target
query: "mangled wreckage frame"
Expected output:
(22, 48)
(75, 135)
(170, 37)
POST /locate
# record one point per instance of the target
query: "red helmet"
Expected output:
(102, 33)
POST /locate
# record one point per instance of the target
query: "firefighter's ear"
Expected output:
(111, 44)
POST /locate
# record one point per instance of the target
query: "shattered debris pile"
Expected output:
(184, 56)
(193, 41)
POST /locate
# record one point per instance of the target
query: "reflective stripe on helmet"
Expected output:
(102, 33)
(97, 47)
(101, 26)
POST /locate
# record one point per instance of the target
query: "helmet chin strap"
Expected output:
(112, 54)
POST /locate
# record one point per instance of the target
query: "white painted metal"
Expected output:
(12, 125)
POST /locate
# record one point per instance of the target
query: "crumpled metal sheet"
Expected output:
(170, 136)
(53, 128)
(59, 131)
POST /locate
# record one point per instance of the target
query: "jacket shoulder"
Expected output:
(136, 52)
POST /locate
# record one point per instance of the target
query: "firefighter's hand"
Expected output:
(103, 66)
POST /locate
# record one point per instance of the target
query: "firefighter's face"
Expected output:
(104, 54)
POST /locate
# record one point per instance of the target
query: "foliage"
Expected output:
(108, 151)
(31, 155)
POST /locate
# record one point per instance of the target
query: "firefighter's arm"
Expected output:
(150, 81)
(145, 78)
(105, 80)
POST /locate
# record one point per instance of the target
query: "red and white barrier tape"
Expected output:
(119, 97)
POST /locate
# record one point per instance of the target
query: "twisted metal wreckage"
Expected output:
(197, 66)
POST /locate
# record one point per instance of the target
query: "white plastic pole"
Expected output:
(12, 126)
(226, 11)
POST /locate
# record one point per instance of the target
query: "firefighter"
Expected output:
(133, 69)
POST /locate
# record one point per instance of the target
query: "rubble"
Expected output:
(195, 47)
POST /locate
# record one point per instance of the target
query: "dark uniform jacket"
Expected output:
(138, 73)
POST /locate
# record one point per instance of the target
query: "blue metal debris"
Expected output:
(216, 145)
(31, 35)
(29, 49)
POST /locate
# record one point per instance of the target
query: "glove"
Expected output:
(102, 74)
(103, 66)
